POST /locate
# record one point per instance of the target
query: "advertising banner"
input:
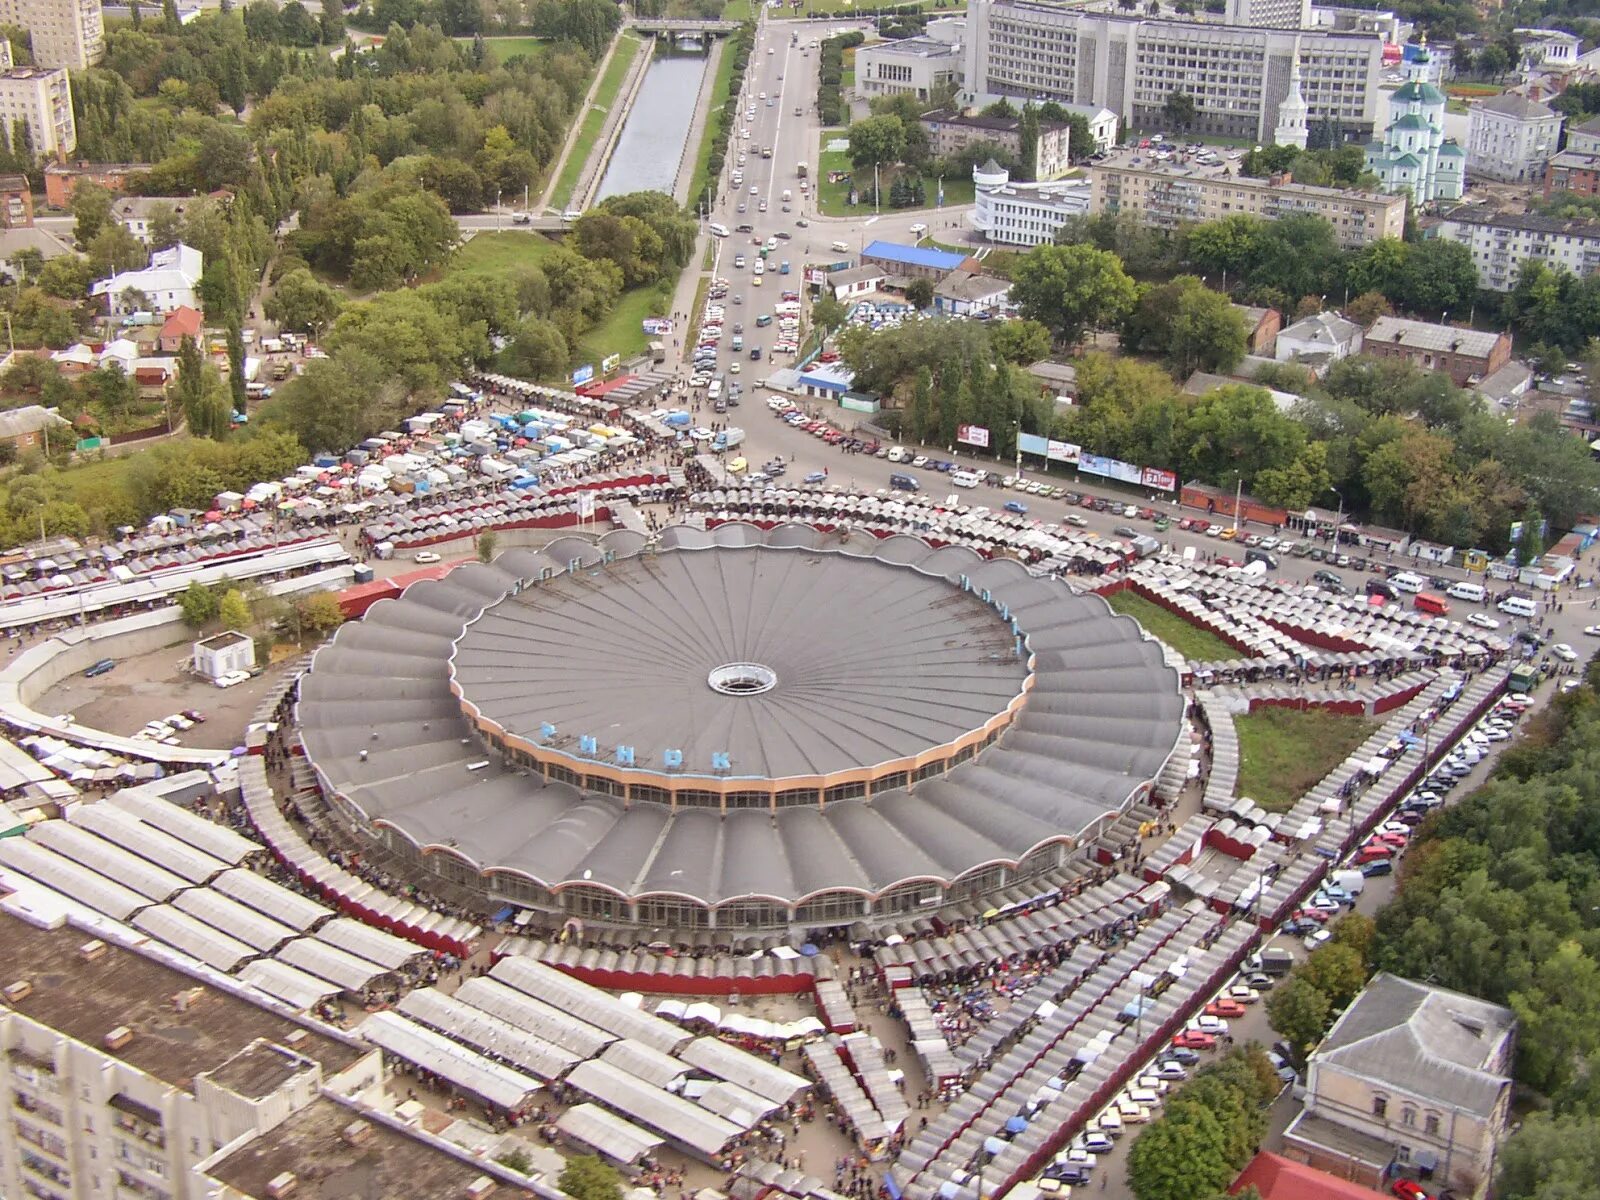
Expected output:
(973, 435)
(657, 326)
(1032, 443)
(609, 363)
(1064, 452)
(1162, 481)
(583, 375)
(816, 277)
(1110, 468)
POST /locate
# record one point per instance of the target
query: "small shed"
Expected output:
(215, 656)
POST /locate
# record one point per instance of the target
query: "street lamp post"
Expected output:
(1338, 520)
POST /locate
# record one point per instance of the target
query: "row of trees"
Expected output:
(586, 23)
(831, 106)
(1209, 1128)
(727, 119)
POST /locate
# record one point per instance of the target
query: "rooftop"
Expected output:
(1486, 214)
(855, 275)
(1326, 328)
(85, 1000)
(1425, 1040)
(958, 285)
(917, 47)
(945, 116)
(1510, 104)
(312, 1146)
(30, 418)
(1198, 174)
(1423, 335)
(256, 1071)
(914, 256)
(1278, 1178)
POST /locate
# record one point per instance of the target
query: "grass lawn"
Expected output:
(832, 198)
(622, 332)
(503, 49)
(499, 253)
(594, 118)
(721, 86)
(1187, 639)
(1284, 752)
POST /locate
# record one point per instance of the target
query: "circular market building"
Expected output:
(738, 728)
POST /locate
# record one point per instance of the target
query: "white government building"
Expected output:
(1023, 214)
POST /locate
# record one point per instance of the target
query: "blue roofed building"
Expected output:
(914, 262)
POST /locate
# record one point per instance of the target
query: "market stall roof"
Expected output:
(680, 1120)
(463, 1068)
(716, 1057)
(619, 1140)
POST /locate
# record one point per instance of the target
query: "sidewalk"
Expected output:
(577, 117)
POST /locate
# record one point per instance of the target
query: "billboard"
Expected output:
(583, 375)
(973, 435)
(656, 326)
(609, 363)
(816, 276)
(1162, 481)
(1110, 468)
(1063, 452)
(1032, 443)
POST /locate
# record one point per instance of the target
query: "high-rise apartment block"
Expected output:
(38, 99)
(65, 33)
(1238, 75)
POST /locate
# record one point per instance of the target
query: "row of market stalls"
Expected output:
(644, 1081)
(413, 922)
(776, 971)
(170, 876)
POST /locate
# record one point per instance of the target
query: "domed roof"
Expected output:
(1418, 92)
(991, 174)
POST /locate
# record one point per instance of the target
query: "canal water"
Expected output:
(647, 154)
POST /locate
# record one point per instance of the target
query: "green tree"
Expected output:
(919, 293)
(200, 394)
(1071, 289)
(876, 141)
(91, 211)
(1439, 276)
(303, 303)
(1337, 971)
(198, 603)
(538, 351)
(233, 611)
(1179, 109)
(1181, 1156)
(828, 313)
(1020, 342)
(320, 612)
(585, 1177)
(486, 545)
(236, 356)
(1298, 1010)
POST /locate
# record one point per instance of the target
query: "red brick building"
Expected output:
(1466, 355)
(61, 179)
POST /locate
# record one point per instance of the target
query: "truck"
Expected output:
(728, 438)
(801, 170)
(1523, 679)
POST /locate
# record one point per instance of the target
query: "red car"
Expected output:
(1227, 1009)
(1373, 851)
(1407, 1190)
(1320, 915)
(1193, 1039)
(1087, 502)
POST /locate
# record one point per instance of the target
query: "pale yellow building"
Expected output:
(1412, 1081)
(1168, 197)
(64, 33)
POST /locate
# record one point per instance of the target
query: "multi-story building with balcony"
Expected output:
(1168, 197)
(64, 33)
(40, 98)
(1238, 74)
(1502, 242)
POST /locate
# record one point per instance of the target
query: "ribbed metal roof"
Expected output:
(869, 649)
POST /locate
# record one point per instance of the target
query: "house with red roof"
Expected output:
(1279, 1178)
(181, 322)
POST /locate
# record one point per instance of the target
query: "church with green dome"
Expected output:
(1413, 155)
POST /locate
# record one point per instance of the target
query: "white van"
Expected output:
(1474, 592)
(897, 454)
(1110, 1122)
(1405, 581)
(966, 479)
(1518, 606)
(841, 247)
(717, 230)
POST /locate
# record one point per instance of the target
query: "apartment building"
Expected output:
(41, 98)
(62, 179)
(1511, 138)
(1571, 171)
(1237, 74)
(951, 132)
(1502, 242)
(1023, 214)
(64, 33)
(1168, 197)
(1282, 14)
